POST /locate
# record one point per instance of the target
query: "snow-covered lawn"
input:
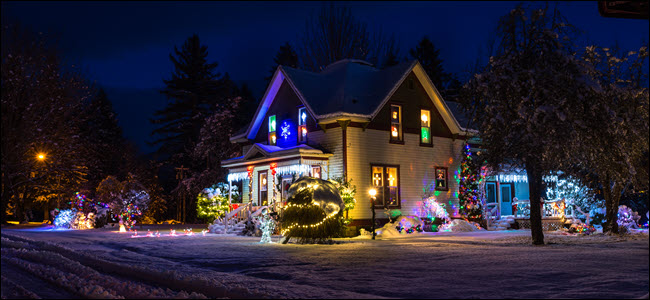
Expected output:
(103, 263)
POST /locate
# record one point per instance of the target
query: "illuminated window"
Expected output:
(273, 138)
(302, 125)
(263, 188)
(441, 178)
(385, 180)
(315, 172)
(395, 123)
(425, 126)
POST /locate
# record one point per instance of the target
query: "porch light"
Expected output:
(372, 192)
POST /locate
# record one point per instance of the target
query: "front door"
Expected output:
(506, 200)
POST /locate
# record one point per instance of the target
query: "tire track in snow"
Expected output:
(77, 278)
(200, 282)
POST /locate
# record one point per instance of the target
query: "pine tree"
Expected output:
(468, 192)
(429, 57)
(103, 132)
(194, 90)
(286, 56)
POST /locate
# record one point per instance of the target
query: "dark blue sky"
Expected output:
(125, 46)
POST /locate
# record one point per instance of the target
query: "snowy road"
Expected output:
(103, 263)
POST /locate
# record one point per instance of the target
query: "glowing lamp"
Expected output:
(425, 118)
(394, 131)
(372, 192)
(40, 156)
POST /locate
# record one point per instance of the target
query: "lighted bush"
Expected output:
(212, 203)
(314, 211)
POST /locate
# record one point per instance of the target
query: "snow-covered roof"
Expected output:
(346, 86)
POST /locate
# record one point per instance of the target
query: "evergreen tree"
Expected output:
(471, 206)
(429, 57)
(194, 90)
(104, 135)
(246, 109)
(286, 56)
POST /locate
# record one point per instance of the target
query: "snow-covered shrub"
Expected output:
(627, 218)
(127, 199)
(409, 224)
(74, 219)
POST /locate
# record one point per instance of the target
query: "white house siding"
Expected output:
(330, 141)
(416, 167)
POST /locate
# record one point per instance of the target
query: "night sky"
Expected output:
(125, 46)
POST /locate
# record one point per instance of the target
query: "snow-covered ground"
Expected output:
(103, 263)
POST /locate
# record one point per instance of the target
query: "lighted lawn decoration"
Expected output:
(267, 225)
(433, 211)
(212, 202)
(313, 212)
(347, 191)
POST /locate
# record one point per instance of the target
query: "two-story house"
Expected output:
(385, 129)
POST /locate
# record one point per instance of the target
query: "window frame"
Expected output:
(272, 134)
(400, 130)
(430, 143)
(302, 126)
(259, 187)
(435, 178)
(385, 185)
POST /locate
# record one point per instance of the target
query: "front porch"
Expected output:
(265, 172)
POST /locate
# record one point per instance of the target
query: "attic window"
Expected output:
(395, 123)
(425, 127)
(272, 132)
(302, 125)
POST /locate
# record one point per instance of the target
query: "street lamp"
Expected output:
(372, 193)
(41, 156)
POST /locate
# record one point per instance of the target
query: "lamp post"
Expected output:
(372, 193)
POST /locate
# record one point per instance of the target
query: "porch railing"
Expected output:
(551, 208)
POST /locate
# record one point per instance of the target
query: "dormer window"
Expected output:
(302, 125)
(395, 123)
(273, 138)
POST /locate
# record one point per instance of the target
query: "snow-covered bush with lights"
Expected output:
(580, 200)
(432, 212)
(409, 224)
(347, 191)
(627, 218)
(212, 202)
(126, 200)
(313, 212)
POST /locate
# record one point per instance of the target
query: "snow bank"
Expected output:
(458, 225)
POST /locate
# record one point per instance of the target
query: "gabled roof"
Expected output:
(346, 86)
(349, 89)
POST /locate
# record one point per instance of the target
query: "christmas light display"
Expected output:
(313, 210)
(435, 213)
(65, 219)
(469, 196)
(212, 202)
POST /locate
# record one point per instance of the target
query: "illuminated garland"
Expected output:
(296, 225)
